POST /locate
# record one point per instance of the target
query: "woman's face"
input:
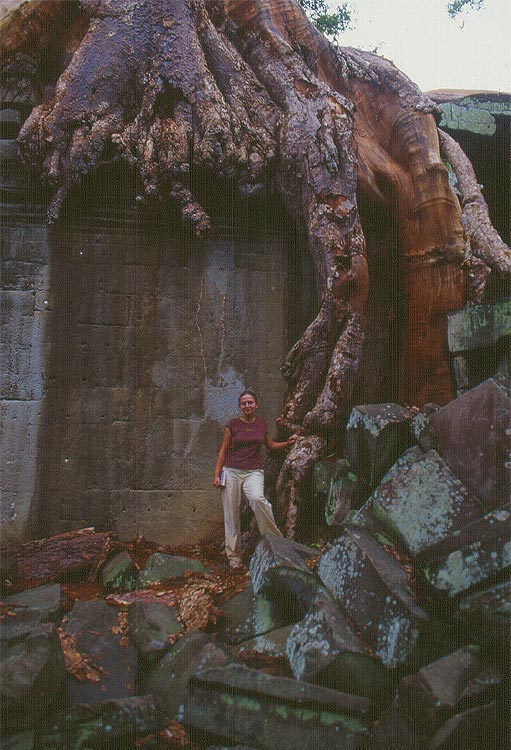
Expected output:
(248, 405)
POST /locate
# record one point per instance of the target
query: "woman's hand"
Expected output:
(292, 439)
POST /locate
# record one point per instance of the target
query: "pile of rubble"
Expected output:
(396, 635)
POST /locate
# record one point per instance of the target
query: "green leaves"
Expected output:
(330, 23)
(455, 7)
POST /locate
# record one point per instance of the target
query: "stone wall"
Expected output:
(125, 344)
(481, 123)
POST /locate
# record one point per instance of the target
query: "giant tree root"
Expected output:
(248, 89)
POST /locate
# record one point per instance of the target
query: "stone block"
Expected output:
(24, 276)
(474, 120)
(473, 434)
(280, 572)
(373, 589)
(29, 664)
(159, 567)
(275, 552)
(92, 627)
(488, 615)
(248, 706)
(169, 679)
(334, 487)
(376, 434)
(150, 624)
(19, 623)
(119, 574)
(419, 426)
(9, 151)
(420, 501)
(438, 688)
(113, 723)
(324, 649)
(364, 518)
(393, 730)
(471, 730)
(272, 643)
(478, 325)
(45, 599)
(19, 436)
(21, 741)
(22, 352)
(471, 555)
(247, 616)
(166, 516)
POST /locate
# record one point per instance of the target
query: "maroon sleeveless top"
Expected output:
(247, 440)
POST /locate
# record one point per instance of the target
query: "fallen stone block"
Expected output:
(93, 630)
(487, 614)
(21, 741)
(46, 599)
(150, 625)
(334, 486)
(252, 707)
(419, 426)
(28, 666)
(342, 493)
(324, 649)
(420, 501)
(247, 616)
(478, 325)
(376, 434)
(159, 567)
(119, 574)
(473, 434)
(275, 552)
(474, 729)
(373, 589)
(113, 723)
(364, 518)
(438, 688)
(281, 571)
(471, 555)
(168, 681)
(19, 622)
(394, 730)
(272, 643)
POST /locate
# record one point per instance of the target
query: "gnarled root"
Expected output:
(295, 469)
(484, 241)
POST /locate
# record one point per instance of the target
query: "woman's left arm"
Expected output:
(274, 446)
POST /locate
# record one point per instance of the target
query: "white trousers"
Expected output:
(251, 482)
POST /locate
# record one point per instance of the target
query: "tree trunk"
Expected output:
(248, 88)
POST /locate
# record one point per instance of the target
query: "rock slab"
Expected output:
(372, 588)
(420, 501)
(251, 707)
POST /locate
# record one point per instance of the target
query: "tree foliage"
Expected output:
(330, 22)
(455, 7)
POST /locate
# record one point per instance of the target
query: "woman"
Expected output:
(240, 457)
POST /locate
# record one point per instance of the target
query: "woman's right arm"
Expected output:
(226, 442)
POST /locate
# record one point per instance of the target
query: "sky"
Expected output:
(432, 49)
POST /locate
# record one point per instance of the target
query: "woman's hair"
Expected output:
(247, 393)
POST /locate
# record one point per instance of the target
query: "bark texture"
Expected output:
(248, 89)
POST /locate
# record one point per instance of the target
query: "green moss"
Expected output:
(243, 701)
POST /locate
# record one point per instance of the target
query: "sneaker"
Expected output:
(236, 564)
